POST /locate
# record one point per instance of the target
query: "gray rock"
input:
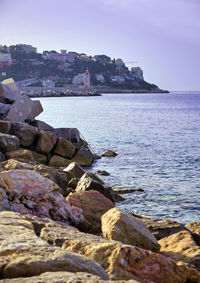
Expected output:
(9, 90)
(42, 126)
(4, 108)
(83, 157)
(36, 110)
(64, 148)
(71, 134)
(26, 133)
(8, 143)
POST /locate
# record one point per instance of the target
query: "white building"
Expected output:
(48, 83)
(82, 79)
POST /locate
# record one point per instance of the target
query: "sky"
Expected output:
(162, 36)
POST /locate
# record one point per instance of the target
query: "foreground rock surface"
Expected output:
(23, 254)
(121, 226)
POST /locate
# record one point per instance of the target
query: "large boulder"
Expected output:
(88, 183)
(121, 262)
(25, 133)
(35, 110)
(46, 142)
(194, 228)
(121, 226)
(71, 134)
(8, 143)
(109, 153)
(42, 126)
(23, 254)
(5, 127)
(64, 148)
(83, 157)
(27, 191)
(74, 170)
(20, 154)
(39, 157)
(59, 161)
(9, 90)
(93, 205)
(181, 247)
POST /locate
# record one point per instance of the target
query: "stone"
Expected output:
(8, 143)
(55, 175)
(5, 127)
(194, 227)
(35, 110)
(64, 148)
(109, 153)
(20, 109)
(23, 254)
(103, 173)
(46, 142)
(39, 157)
(26, 191)
(181, 247)
(93, 205)
(123, 227)
(20, 154)
(71, 134)
(59, 161)
(26, 134)
(121, 262)
(42, 126)
(2, 157)
(9, 90)
(83, 157)
(88, 183)
(4, 108)
(74, 170)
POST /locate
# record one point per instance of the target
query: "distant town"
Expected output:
(29, 68)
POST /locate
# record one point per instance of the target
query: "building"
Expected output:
(72, 56)
(28, 48)
(48, 83)
(82, 79)
(5, 58)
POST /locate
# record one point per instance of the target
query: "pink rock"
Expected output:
(26, 191)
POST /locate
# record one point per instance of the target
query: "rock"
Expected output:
(71, 134)
(121, 262)
(161, 228)
(35, 110)
(181, 247)
(46, 142)
(2, 157)
(4, 108)
(26, 191)
(59, 161)
(93, 205)
(83, 157)
(42, 126)
(55, 175)
(62, 277)
(123, 227)
(109, 153)
(9, 90)
(25, 133)
(5, 127)
(103, 173)
(8, 143)
(74, 170)
(21, 154)
(23, 254)
(194, 227)
(64, 148)
(87, 183)
(20, 109)
(39, 157)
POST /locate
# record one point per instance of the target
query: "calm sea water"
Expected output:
(157, 138)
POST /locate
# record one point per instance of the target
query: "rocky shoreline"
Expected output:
(60, 223)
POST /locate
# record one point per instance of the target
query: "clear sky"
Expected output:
(163, 36)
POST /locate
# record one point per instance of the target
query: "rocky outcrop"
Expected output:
(93, 205)
(121, 226)
(109, 153)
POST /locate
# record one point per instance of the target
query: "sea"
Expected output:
(157, 138)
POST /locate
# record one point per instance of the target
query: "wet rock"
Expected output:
(103, 173)
(21, 154)
(123, 227)
(39, 157)
(25, 133)
(83, 157)
(27, 191)
(181, 247)
(46, 142)
(9, 90)
(74, 170)
(93, 205)
(8, 143)
(64, 148)
(23, 254)
(59, 161)
(5, 127)
(88, 183)
(109, 153)
(42, 126)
